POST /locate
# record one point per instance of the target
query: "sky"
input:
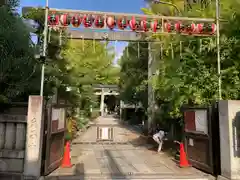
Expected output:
(119, 6)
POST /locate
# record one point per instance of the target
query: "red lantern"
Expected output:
(145, 25)
(154, 25)
(87, 21)
(64, 19)
(99, 22)
(209, 28)
(110, 22)
(76, 20)
(179, 27)
(169, 27)
(191, 28)
(133, 24)
(53, 19)
(122, 23)
(199, 28)
(214, 28)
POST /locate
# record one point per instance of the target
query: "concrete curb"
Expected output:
(109, 177)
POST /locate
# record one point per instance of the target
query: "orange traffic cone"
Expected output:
(183, 157)
(66, 162)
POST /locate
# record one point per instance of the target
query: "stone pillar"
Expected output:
(102, 102)
(34, 137)
(229, 122)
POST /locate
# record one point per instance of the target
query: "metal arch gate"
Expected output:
(124, 34)
(53, 136)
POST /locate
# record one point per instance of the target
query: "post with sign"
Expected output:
(34, 139)
(104, 133)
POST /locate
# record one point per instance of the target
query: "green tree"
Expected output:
(165, 9)
(187, 68)
(133, 75)
(16, 54)
(64, 67)
(55, 71)
(74, 62)
(190, 75)
(88, 63)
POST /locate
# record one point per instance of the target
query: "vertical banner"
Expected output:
(34, 137)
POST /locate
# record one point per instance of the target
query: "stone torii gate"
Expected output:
(105, 90)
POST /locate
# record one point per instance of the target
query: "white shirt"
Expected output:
(159, 135)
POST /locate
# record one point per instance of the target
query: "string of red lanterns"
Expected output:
(134, 24)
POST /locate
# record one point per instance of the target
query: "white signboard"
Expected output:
(61, 121)
(105, 133)
(201, 121)
(58, 114)
(55, 114)
(191, 142)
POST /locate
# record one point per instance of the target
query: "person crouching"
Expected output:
(158, 138)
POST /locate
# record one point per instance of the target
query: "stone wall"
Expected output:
(12, 139)
(229, 120)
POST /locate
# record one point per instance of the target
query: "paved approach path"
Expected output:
(127, 157)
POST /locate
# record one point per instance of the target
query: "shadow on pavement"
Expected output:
(113, 165)
(80, 173)
(147, 141)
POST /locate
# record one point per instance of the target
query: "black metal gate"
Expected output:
(201, 140)
(54, 132)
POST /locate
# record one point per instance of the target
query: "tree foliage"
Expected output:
(16, 54)
(133, 75)
(190, 76)
(75, 64)
(187, 68)
(69, 64)
(88, 63)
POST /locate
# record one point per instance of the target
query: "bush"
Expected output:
(68, 136)
(95, 114)
(81, 119)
